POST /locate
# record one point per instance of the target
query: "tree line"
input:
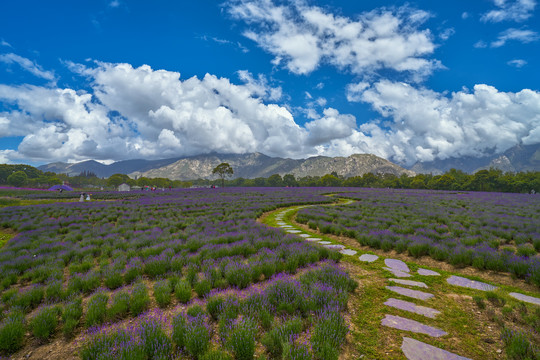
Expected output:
(483, 180)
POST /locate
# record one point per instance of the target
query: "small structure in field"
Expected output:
(124, 187)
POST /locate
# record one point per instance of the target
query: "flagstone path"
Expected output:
(412, 349)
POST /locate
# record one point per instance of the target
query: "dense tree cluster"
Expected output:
(483, 180)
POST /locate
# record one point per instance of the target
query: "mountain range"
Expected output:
(516, 159)
(249, 166)
(253, 165)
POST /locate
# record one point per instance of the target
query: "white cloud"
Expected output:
(27, 65)
(302, 37)
(114, 4)
(519, 63)
(447, 33)
(427, 125)
(510, 10)
(521, 35)
(260, 86)
(157, 115)
(331, 126)
(5, 43)
(144, 113)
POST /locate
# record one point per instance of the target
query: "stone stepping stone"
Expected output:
(324, 242)
(416, 294)
(409, 282)
(526, 298)
(472, 284)
(291, 231)
(368, 258)
(396, 265)
(314, 239)
(305, 235)
(281, 223)
(334, 246)
(401, 323)
(417, 350)
(427, 272)
(348, 252)
(397, 273)
(412, 307)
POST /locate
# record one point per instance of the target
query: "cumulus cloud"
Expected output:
(519, 63)
(27, 65)
(302, 37)
(510, 10)
(521, 35)
(141, 112)
(260, 86)
(428, 125)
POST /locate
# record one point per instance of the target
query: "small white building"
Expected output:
(124, 187)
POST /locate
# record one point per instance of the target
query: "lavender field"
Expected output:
(491, 231)
(82, 268)
(192, 274)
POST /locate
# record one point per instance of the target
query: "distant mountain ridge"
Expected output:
(516, 159)
(247, 166)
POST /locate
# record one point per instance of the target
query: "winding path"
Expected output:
(412, 349)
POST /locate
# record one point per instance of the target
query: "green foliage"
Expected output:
(223, 170)
(44, 323)
(182, 291)
(119, 308)
(96, 314)
(139, 299)
(162, 293)
(275, 339)
(12, 331)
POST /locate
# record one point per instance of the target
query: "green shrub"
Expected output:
(12, 331)
(274, 339)
(71, 316)
(96, 314)
(139, 299)
(119, 308)
(162, 293)
(44, 323)
(182, 291)
(203, 287)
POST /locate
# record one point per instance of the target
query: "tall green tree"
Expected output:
(17, 179)
(223, 170)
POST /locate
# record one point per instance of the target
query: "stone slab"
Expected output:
(426, 272)
(417, 350)
(293, 231)
(397, 273)
(312, 239)
(324, 242)
(348, 252)
(401, 323)
(416, 294)
(396, 265)
(412, 307)
(334, 246)
(409, 282)
(526, 298)
(305, 235)
(368, 257)
(472, 284)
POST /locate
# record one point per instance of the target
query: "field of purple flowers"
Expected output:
(493, 231)
(85, 266)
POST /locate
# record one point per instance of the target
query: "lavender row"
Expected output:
(492, 231)
(231, 324)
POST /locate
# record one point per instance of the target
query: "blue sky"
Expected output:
(408, 81)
